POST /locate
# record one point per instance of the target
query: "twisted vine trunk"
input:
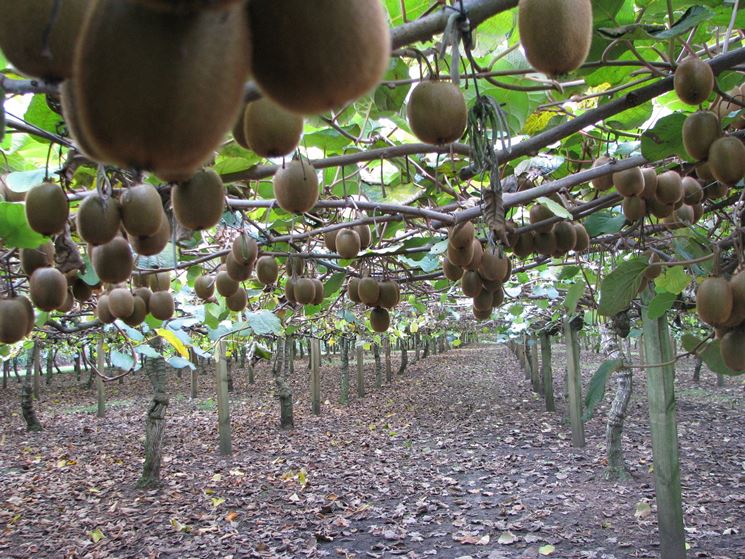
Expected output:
(344, 388)
(404, 359)
(284, 392)
(388, 370)
(378, 366)
(155, 424)
(27, 394)
(617, 414)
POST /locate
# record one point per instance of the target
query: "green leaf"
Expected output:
(665, 138)
(673, 280)
(147, 351)
(96, 535)
(39, 114)
(596, 388)
(121, 360)
(23, 181)
(574, 293)
(556, 208)
(690, 19)
(180, 363)
(15, 231)
(619, 288)
(333, 284)
(710, 354)
(264, 322)
(661, 304)
(604, 223)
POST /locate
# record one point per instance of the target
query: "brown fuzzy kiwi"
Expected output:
(684, 214)
(477, 256)
(493, 265)
(658, 209)
(237, 301)
(267, 270)
(525, 245)
(204, 287)
(121, 302)
(160, 281)
(35, 258)
(512, 233)
(225, 285)
(634, 208)
(606, 181)
(365, 236)
(388, 294)
(737, 284)
(650, 183)
(113, 262)
(46, 208)
(296, 186)
(481, 315)
(471, 284)
(182, 6)
(451, 271)
(239, 272)
(138, 315)
(583, 238)
(177, 59)
(353, 290)
(566, 236)
(716, 190)
(245, 249)
(238, 134)
(154, 244)
(270, 130)
(545, 243)
(556, 36)
(348, 243)
(629, 182)
(295, 265)
(305, 291)
(491, 286)
(98, 219)
(329, 240)
(199, 202)
(143, 293)
(102, 310)
(380, 319)
(498, 298)
(14, 319)
(70, 112)
(460, 257)
(725, 107)
(484, 301)
(461, 235)
(323, 54)
(654, 268)
(161, 305)
(700, 130)
(319, 291)
(81, 290)
(437, 112)
(141, 210)
(726, 160)
(698, 212)
(39, 36)
(669, 187)
(692, 191)
(693, 81)
(732, 349)
(48, 288)
(290, 284)
(538, 214)
(703, 172)
(369, 291)
(714, 301)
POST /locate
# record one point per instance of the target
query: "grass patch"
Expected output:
(207, 405)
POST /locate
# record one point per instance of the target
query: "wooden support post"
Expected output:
(194, 377)
(315, 376)
(663, 424)
(388, 370)
(547, 372)
(535, 368)
(360, 372)
(344, 379)
(36, 362)
(574, 386)
(223, 404)
(525, 352)
(101, 366)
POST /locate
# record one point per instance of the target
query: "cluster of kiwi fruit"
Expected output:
(721, 304)
(348, 241)
(437, 112)
(299, 288)
(150, 295)
(722, 157)
(547, 239)
(380, 296)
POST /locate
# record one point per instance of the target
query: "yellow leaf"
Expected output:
(217, 501)
(171, 338)
(546, 549)
(231, 516)
(96, 535)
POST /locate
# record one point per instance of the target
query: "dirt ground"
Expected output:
(455, 459)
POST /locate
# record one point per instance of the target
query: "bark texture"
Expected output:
(155, 425)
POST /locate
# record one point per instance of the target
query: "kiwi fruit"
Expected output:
(380, 319)
(698, 212)
(606, 181)
(669, 187)
(732, 349)
(684, 214)
(295, 265)
(48, 288)
(512, 233)
(181, 6)
(225, 285)
(737, 284)
(471, 284)
(700, 129)
(143, 293)
(545, 243)
(583, 238)
(703, 172)
(204, 287)
(716, 190)
(525, 244)
(121, 302)
(319, 291)
(71, 115)
(305, 291)
(35, 258)
(461, 235)
(15, 320)
(538, 214)
(714, 301)
(161, 305)
(494, 266)
(238, 134)
(693, 81)
(556, 36)
(498, 298)
(483, 301)
(237, 301)
(81, 290)
(329, 239)
(451, 271)
(491, 286)
(321, 54)
(267, 270)
(724, 107)
(477, 256)
(634, 208)
(98, 219)
(154, 244)
(365, 236)
(650, 183)
(138, 314)
(348, 243)
(270, 130)
(199, 202)
(160, 281)
(369, 291)
(566, 236)
(102, 310)
(290, 289)
(141, 210)
(658, 209)
(239, 272)
(296, 186)
(726, 160)
(389, 294)
(126, 49)
(437, 112)
(692, 191)
(460, 257)
(654, 268)
(39, 36)
(244, 249)
(113, 261)
(481, 315)
(629, 182)
(46, 208)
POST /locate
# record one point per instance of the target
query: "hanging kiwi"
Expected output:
(604, 182)
(700, 130)
(296, 186)
(48, 288)
(141, 210)
(566, 237)
(199, 202)
(583, 238)
(270, 130)
(629, 182)
(121, 302)
(732, 349)
(267, 270)
(460, 257)
(369, 291)
(193, 67)
(329, 240)
(225, 285)
(494, 266)
(46, 208)
(239, 272)
(323, 54)
(380, 319)
(451, 271)
(471, 284)
(538, 214)
(154, 244)
(295, 265)
(143, 293)
(237, 301)
(460, 236)
(245, 249)
(348, 243)
(669, 188)
(81, 290)
(16, 319)
(654, 268)
(727, 160)
(204, 287)
(102, 310)
(319, 291)
(304, 291)
(365, 236)
(476, 257)
(484, 301)
(525, 244)
(437, 112)
(138, 314)
(160, 281)
(556, 36)
(693, 81)
(34, 258)
(659, 209)
(545, 243)
(650, 183)
(725, 107)
(353, 290)
(714, 301)
(634, 208)
(692, 191)
(113, 261)
(389, 294)
(481, 314)
(161, 305)
(98, 219)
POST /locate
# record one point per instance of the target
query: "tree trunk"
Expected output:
(697, 369)
(222, 377)
(535, 367)
(417, 340)
(574, 384)
(291, 356)
(229, 369)
(404, 359)
(344, 388)
(387, 350)
(37, 369)
(194, 376)
(155, 423)
(50, 366)
(77, 366)
(27, 397)
(100, 393)
(425, 353)
(6, 373)
(547, 373)
(360, 372)
(284, 391)
(315, 376)
(617, 414)
(378, 366)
